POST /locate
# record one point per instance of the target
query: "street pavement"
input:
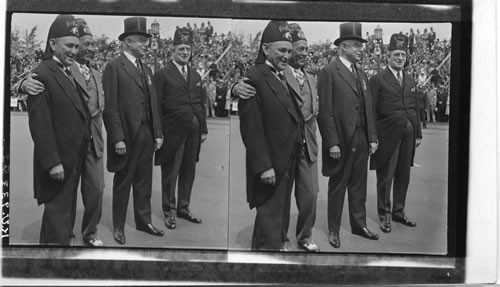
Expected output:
(219, 198)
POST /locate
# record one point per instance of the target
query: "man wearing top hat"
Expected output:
(133, 127)
(398, 126)
(306, 177)
(272, 129)
(92, 173)
(59, 122)
(182, 97)
(348, 132)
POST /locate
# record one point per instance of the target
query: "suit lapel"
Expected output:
(280, 91)
(311, 82)
(176, 74)
(79, 78)
(132, 71)
(346, 75)
(389, 77)
(292, 81)
(68, 87)
(100, 93)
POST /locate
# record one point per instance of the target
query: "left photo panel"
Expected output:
(119, 130)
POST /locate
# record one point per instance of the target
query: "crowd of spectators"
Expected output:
(428, 62)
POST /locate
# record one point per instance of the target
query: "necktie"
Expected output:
(353, 70)
(86, 73)
(282, 78)
(184, 72)
(300, 77)
(399, 78)
(138, 65)
(68, 73)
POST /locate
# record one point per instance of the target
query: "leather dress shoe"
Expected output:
(334, 239)
(170, 222)
(308, 245)
(93, 240)
(150, 229)
(365, 232)
(404, 220)
(188, 216)
(386, 226)
(119, 235)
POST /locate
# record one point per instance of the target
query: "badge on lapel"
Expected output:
(364, 85)
(413, 89)
(198, 84)
(149, 81)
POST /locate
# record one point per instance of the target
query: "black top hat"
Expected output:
(350, 31)
(398, 42)
(134, 26)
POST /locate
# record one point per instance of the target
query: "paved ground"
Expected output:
(219, 198)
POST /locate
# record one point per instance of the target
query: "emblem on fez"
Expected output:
(86, 29)
(400, 43)
(301, 35)
(74, 31)
(184, 38)
(287, 36)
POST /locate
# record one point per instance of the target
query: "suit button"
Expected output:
(353, 149)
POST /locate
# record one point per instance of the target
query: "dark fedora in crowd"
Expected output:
(350, 31)
(134, 26)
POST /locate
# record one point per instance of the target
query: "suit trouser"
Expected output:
(273, 216)
(306, 194)
(138, 174)
(92, 186)
(353, 177)
(397, 170)
(59, 213)
(182, 169)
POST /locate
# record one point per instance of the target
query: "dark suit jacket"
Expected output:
(59, 125)
(179, 101)
(124, 94)
(392, 106)
(271, 129)
(310, 125)
(96, 126)
(339, 112)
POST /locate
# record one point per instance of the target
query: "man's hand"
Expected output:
(31, 86)
(158, 143)
(120, 148)
(418, 142)
(335, 152)
(268, 177)
(204, 137)
(57, 173)
(243, 90)
(373, 148)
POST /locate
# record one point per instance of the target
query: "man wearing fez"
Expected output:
(133, 126)
(181, 97)
(92, 173)
(306, 177)
(59, 122)
(399, 133)
(347, 128)
(271, 126)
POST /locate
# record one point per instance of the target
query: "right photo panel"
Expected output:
(339, 137)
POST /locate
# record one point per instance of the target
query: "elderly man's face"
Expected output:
(86, 50)
(353, 50)
(299, 54)
(65, 49)
(138, 45)
(278, 53)
(182, 53)
(397, 59)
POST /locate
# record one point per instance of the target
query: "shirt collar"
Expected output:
(394, 72)
(59, 63)
(273, 69)
(346, 62)
(130, 57)
(178, 66)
